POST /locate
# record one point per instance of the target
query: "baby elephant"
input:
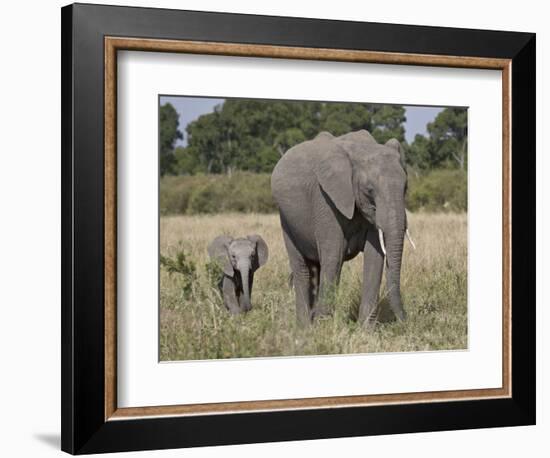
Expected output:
(239, 259)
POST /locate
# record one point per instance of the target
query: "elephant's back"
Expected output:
(293, 174)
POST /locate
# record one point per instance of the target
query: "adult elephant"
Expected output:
(338, 196)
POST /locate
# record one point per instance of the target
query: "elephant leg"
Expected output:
(329, 280)
(373, 266)
(230, 299)
(251, 283)
(301, 279)
(314, 271)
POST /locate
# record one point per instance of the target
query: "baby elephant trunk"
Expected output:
(245, 278)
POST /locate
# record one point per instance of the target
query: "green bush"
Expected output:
(438, 190)
(442, 190)
(184, 265)
(175, 192)
(239, 192)
(214, 273)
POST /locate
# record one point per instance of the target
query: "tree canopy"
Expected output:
(251, 135)
(169, 133)
(446, 145)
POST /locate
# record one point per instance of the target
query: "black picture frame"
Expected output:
(84, 428)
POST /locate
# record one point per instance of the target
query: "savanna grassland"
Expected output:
(194, 324)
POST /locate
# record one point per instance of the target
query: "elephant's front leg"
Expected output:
(373, 266)
(229, 292)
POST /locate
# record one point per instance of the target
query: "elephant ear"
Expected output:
(394, 144)
(262, 253)
(333, 170)
(218, 251)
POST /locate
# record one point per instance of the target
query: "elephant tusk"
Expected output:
(409, 238)
(381, 239)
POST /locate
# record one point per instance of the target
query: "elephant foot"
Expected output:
(369, 325)
(320, 311)
(246, 308)
(400, 314)
(368, 315)
(304, 318)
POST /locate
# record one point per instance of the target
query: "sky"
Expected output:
(190, 108)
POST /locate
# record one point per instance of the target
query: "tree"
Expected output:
(169, 133)
(387, 122)
(252, 135)
(446, 145)
(382, 121)
(288, 138)
(247, 134)
(418, 153)
(185, 162)
(449, 135)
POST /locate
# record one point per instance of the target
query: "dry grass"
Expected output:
(195, 326)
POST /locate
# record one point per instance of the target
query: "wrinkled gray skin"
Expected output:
(333, 194)
(239, 259)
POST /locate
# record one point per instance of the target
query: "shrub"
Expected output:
(437, 190)
(214, 273)
(174, 194)
(239, 192)
(184, 265)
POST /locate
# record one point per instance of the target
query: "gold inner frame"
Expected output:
(114, 44)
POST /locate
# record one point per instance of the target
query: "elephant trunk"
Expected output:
(245, 297)
(393, 230)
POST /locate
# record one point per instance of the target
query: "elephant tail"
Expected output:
(291, 280)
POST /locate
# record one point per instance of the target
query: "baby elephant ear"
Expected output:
(218, 251)
(262, 253)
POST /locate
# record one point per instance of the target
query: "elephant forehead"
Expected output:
(381, 158)
(242, 247)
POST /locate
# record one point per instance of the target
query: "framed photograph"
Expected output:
(284, 228)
